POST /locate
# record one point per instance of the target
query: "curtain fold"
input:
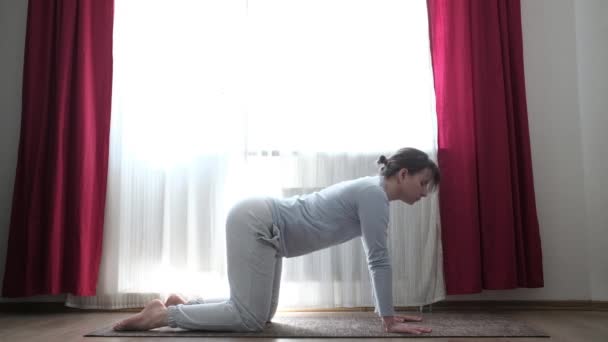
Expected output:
(490, 229)
(56, 229)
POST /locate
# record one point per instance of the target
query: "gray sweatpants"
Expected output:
(254, 273)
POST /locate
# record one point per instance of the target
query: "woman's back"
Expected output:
(330, 216)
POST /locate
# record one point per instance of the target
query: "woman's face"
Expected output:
(413, 186)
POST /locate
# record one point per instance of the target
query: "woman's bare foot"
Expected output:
(154, 315)
(175, 299)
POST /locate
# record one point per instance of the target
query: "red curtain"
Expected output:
(56, 225)
(489, 224)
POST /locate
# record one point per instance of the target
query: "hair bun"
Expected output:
(382, 160)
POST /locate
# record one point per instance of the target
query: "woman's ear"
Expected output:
(402, 174)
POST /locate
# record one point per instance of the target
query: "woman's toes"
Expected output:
(154, 315)
(175, 299)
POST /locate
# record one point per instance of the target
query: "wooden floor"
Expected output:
(561, 325)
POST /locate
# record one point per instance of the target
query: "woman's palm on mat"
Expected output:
(397, 324)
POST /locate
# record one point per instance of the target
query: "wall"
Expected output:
(566, 79)
(592, 57)
(12, 40)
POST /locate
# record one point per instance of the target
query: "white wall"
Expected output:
(565, 47)
(12, 40)
(592, 61)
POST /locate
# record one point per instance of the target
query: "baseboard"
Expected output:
(586, 305)
(488, 305)
(520, 305)
(51, 307)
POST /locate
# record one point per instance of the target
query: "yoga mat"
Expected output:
(357, 324)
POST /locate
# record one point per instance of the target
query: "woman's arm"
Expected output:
(373, 212)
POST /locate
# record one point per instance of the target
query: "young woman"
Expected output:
(261, 231)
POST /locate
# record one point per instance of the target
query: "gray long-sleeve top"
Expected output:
(335, 215)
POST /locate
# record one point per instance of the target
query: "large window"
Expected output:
(221, 99)
(197, 77)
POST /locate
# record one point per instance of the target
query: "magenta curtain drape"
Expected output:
(56, 228)
(490, 229)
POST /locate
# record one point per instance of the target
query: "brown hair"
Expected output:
(411, 159)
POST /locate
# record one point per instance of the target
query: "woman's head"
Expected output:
(410, 173)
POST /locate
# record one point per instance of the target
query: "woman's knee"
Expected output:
(257, 329)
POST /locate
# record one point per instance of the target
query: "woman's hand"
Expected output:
(406, 318)
(396, 324)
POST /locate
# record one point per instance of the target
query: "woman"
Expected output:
(261, 231)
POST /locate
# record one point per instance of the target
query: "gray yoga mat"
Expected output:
(357, 324)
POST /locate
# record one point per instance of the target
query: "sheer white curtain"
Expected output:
(219, 100)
